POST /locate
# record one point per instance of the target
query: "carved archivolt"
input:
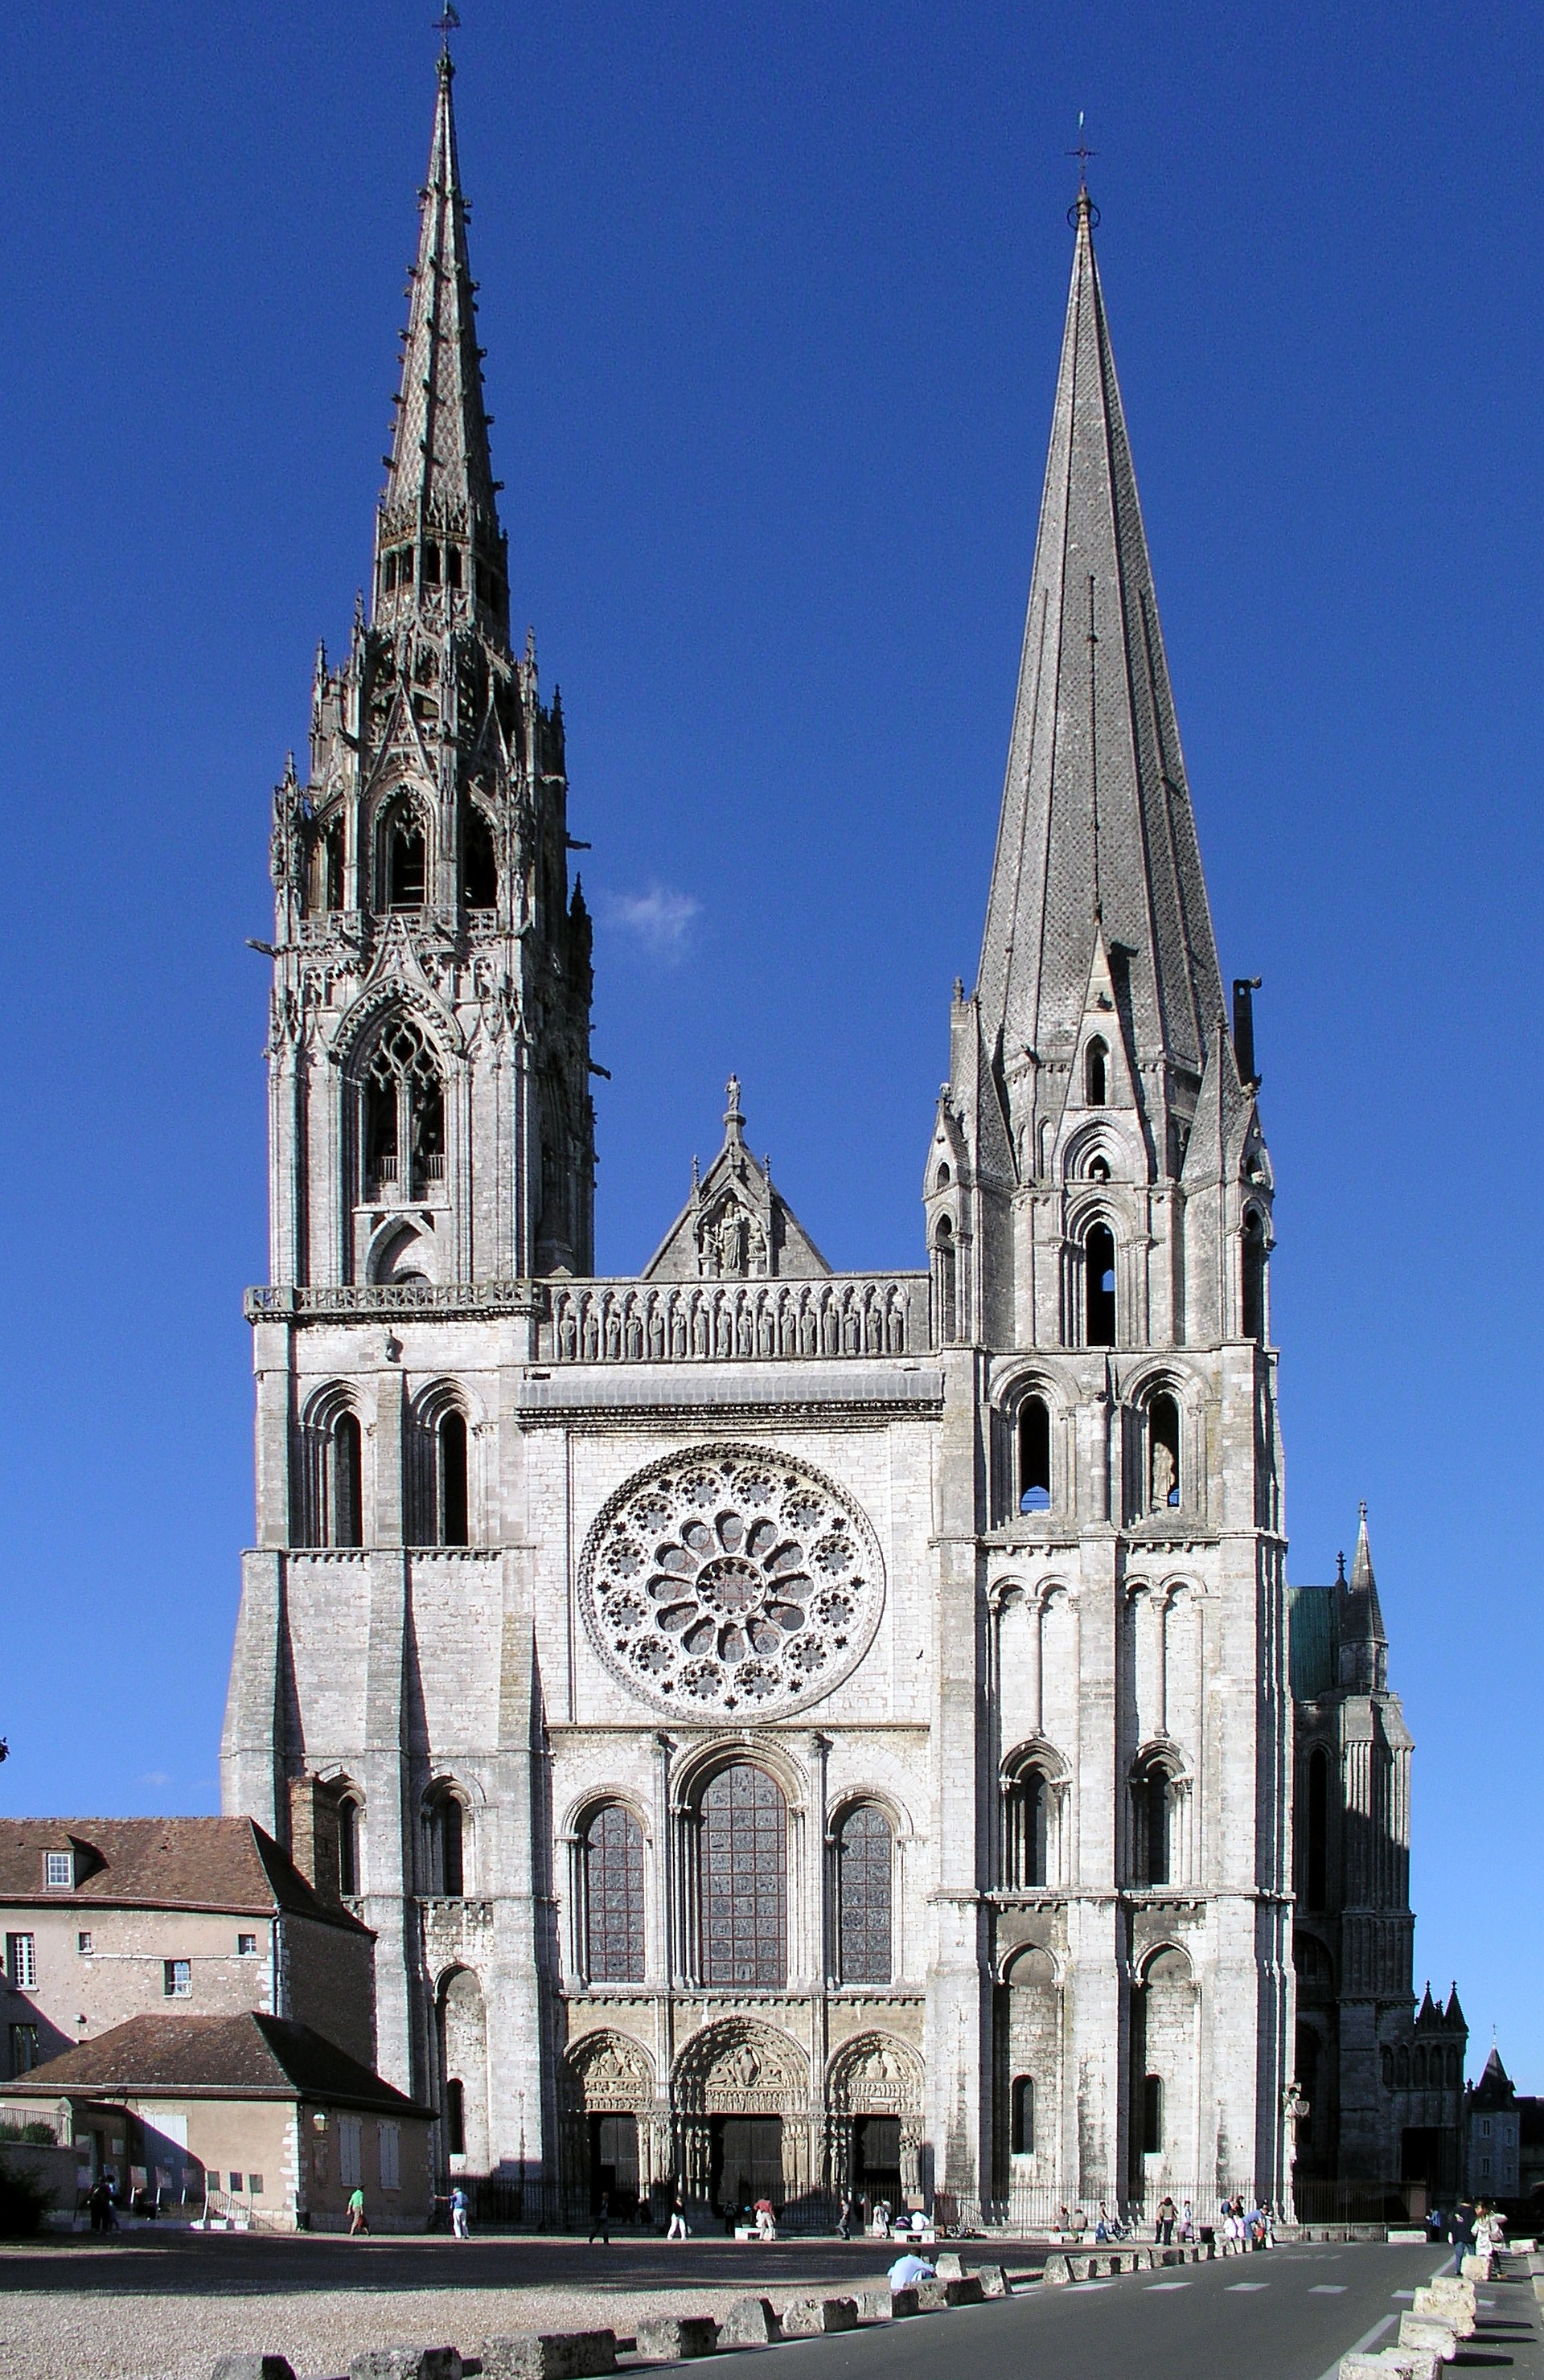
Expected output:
(610, 2075)
(875, 2075)
(741, 2070)
(731, 1580)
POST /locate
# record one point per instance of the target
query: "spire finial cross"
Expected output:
(1082, 153)
(446, 23)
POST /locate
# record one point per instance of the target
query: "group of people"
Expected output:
(1251, 2230)
(1475, 2228)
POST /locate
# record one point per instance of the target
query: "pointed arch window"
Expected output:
(743, 1879)
(1021, 2128)
(1034, 1455)
(450, 1469)
(1163, 1471)
(447, 1845)
(348, 1848)
(403, 1115)
(403, 855)
(614, 1897)
(1253, 1286)
(1027, 1829)
(480, 871)
(945, 1281)
(1098, 1287)
(1155, 1796)
(342, 1499)
(864, 1854)
(1096, 1064)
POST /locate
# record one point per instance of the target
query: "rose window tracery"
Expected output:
(731, 1580)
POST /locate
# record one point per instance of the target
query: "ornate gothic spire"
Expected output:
(438, 524)
(1096, 826)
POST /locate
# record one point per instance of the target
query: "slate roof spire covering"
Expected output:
(440, 473)
(1096, 828)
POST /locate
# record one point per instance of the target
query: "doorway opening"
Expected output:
(877, 2159)
(613, 2165)
(746, 2161)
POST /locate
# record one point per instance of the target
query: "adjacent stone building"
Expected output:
(107, 1919)
(1383, 2082)
(796, 1730)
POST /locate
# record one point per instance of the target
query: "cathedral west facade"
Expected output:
(787, 1730)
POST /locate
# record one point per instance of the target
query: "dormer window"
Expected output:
(1095, 1072)
(58, 1871)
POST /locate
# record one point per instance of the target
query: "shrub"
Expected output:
(21, 2204)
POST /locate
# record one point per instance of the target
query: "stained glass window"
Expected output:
(863, 1897)
(614, 1897)
(744, 1880)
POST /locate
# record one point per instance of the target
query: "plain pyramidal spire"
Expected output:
(438, 524)
(1096, 830)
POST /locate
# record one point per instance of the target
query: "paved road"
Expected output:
(1288, 2316)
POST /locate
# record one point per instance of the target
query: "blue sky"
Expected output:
(772, 296)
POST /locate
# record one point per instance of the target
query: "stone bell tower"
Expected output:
(430, 1056)
(1098, 1199)
(432, 1157)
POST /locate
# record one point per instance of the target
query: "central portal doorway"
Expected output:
(746, 2161)
(877, 2159)
(614, 2163)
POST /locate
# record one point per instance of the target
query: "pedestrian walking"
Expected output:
(1187, 2225)
(357, 2227)
(1461, 2235)
(458, 2213)
(676, 2227)
(844, 2217)
(602, 2220)
(1165, 2233)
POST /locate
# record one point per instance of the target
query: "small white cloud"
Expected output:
(155, 1776)
(657, 920)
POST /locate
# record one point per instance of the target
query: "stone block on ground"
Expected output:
(1079, 2267)
(406, 2363)
(1057, 2269)
(1446, 2305)
(994, 2280)
(891, 2305)
(1391, 2364)
(813, 2317)
(253, 2367)
(749, 2321)
(1419, 2330)
(1141, 2260)
(549, 2355)
(948, 2266)
(674, 2338)
(1479, 2268)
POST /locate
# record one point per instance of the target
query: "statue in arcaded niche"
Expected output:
(1163, 1477)
(724, 1242)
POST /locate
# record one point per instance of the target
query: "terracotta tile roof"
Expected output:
(245, 2057)
(225, 1864)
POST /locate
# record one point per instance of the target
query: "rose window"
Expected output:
(731, 1581)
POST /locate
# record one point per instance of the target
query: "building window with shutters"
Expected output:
(21, 1962)
(391, 2156)
(348, 2152)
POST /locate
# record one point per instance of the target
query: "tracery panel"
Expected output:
(614, 1897)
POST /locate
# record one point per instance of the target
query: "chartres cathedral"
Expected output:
(794, 1731)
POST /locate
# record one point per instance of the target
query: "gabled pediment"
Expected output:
(736, 1226)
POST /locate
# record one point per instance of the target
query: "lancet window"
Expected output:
(614, 1897)
(1096, 1059)
(1034, 1455)
(864, 1857)
(743, 1879)
(1163, 1472)
(480, 871)
(1098, 1287)
(404, 1116)
(342, 1485)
